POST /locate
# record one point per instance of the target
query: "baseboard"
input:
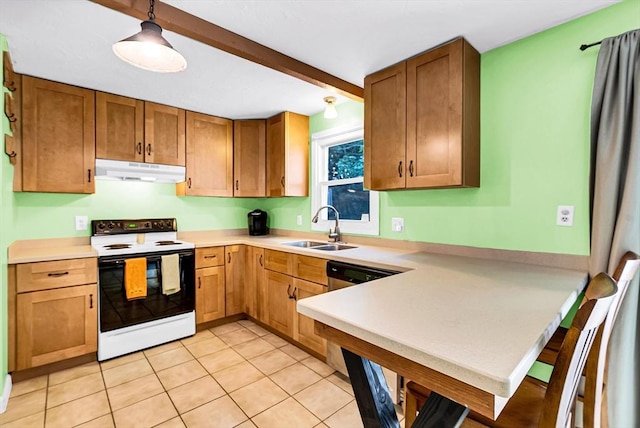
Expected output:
(4, 399)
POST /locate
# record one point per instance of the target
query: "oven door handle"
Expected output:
(150, 258)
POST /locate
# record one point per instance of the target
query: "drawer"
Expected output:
(55, 274)
(209, 257)
(310, 268)
(278, 261)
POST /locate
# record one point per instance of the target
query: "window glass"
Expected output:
(346, 160)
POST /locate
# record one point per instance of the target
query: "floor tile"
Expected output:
(272, 362)
(194, 394)
(320, 425)
(181, 374)
(206, 346)
(33, 421)
(237, 336)
(323, 398)
(146, 413)
(136, 390)
(246, 424)
(287, 414)
(220, 413)
(220, 360)
(105, 421)
(73, 373)
(318, 366)
(24, 405)
(76, 388)
(275, 340)
(225, 328)
(160, 349)
(78, 411)
(201, 335)
(237, 376)
(126, 372)
(246, 323)
(172, 423)
(115, 362)
(253, 348)
(295, 378)
(258, 396)
(342, 381)
(294, 352)
(29, 385)
(257, 330)
(170, 358)
(348, 416)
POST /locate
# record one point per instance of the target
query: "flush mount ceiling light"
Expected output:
(149, 50)
(330, 111)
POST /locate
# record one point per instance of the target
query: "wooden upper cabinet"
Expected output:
(209, 156)
(119, 128)
(58, 137)
(249, 157)
(385, 128)
(164, 132)
(431, 128)
(288, 155)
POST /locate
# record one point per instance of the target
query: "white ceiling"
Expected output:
(70, 41)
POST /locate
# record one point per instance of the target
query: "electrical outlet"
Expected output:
(397, 224)
(82, 222)
(299, 220)
(564, 216)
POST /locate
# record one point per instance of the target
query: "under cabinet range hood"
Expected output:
(139, 171)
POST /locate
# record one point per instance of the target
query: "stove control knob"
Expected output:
(111, 225)
(169, 224)
(147, 225)
(101, 226)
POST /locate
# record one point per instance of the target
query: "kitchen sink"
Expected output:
(315, 245)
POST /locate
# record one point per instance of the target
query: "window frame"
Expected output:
(320, 141)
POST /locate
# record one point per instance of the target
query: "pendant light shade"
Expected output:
(330, 111)
(149, 50)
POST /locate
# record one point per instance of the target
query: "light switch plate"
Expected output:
(564, 216)
(82, 222)
(397, 224)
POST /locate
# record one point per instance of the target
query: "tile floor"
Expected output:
(234, 375)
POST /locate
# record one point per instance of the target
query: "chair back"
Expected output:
(559, 401)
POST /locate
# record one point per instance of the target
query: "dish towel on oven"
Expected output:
(135, 278)
(170, 274)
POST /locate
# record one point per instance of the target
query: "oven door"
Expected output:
(116, 311)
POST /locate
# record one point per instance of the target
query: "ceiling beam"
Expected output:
(176, 20)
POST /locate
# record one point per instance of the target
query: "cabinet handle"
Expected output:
(210, 256)
(261, 260)
(189, 183)
(90, 301)
(57, 274)
(139, 148)
(237, 185)
(293, 296)
(289, 290)
(411, 169)
(199, 282)
(228, 257)
(149, 149)
(400, 169)
(282, 181)
(89, 175)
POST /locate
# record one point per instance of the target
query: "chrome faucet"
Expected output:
(335, 233)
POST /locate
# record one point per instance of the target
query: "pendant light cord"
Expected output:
(151, 15)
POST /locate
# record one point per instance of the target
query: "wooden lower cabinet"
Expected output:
(280, 303)
(210, 294)
(303, 331)
(53, 325)
(234, 284)
(255, 303)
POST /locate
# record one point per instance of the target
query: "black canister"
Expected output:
(257, 220)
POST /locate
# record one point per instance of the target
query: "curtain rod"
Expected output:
(585, 47)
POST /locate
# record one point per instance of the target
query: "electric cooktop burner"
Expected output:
(117, 246)
(167, 243)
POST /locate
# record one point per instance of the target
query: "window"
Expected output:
(338, 168)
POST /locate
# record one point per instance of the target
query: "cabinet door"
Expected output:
(58, 137)
(234, 272)
(164, 134)
(288, 155)
(249, 157)
(209, 257)
(310, 268)
(280, 302)
(385, 129)
(54, 325)
(443, 117)
(119, 128)
(254, 285)
(278, 261)
(210, 299)
(209, 155)
(303, 326)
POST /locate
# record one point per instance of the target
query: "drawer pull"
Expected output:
(90, 301)
(210, 256)
(57, 274)
(261, 260)
(199, 282)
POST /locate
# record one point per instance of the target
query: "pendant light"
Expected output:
(330, 111)
(149, 50)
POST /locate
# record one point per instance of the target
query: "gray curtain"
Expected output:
(615, 191)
